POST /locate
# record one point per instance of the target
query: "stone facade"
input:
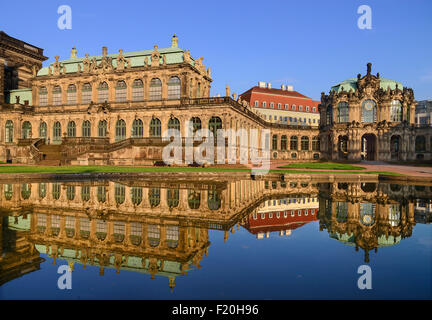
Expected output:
(372, 118)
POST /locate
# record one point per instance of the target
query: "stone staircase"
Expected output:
(51, 155)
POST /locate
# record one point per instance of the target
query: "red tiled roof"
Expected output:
(293, 94)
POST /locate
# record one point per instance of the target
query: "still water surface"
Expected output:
(215, 239)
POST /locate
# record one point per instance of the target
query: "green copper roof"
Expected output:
(173, 56)
(20, 225)
(23, 94)
(170, 268)
(350, 239)
(352, 84)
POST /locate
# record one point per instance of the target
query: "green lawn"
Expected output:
(95, 169)
(322, 165)
(337, 172)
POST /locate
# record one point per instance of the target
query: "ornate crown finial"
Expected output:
(369, 68)
(174, 41)
(73, 53)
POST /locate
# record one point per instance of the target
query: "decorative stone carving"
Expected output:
(155, 57)
(122, 62)
(86, 63)
(186, 56)
(56, 66)
(227, 91)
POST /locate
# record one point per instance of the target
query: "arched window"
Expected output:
(154, 197)
(26, 130)
(368, 111)
(56, 132)
(304, 143)
(213, 198)
(85, 193)
(137, 90)
(284, 143)
(172, 236)
(343, 112)
(8, 191)
(396, 111)
(293, 143)
(103, 92)
(102, 129)
(341, 212)
(26, 191)
(120, 130)
(155, 89)
(42, 190)
(199, 90)
(86, 93)
(137, 128)
(155, 127)
(215, 123)
(174, 123)
(70, 192)
(57, 95)
(315, 144)
(71, 94)
(120, 91)
(56, 189)
(173, 198)
(71, 129)
(9, 131)
(174, 88)
(101, 194)
(119, 193)
(136, 195)
(329, 115)
(86, 128)
(153, 235)
(420, 144)
(196, 124)
(43, 96)
(274, 142)
(194, 199)
(43, 130)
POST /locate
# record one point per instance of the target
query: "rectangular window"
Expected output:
(86, 96)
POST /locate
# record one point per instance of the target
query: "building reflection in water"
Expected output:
(162, 228)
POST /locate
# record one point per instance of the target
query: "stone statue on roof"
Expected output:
(73, 53)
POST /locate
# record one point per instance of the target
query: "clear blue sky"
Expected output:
(310, 44)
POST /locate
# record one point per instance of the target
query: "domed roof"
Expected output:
(349, 84)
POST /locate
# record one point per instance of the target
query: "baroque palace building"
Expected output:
(372, 118)
(114, 108)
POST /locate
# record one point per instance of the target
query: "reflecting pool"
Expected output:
(214, 239)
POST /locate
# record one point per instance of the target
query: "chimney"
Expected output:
(290, 88)
(261, 84)
(283, 87)
(104, 51)
(269, 85)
